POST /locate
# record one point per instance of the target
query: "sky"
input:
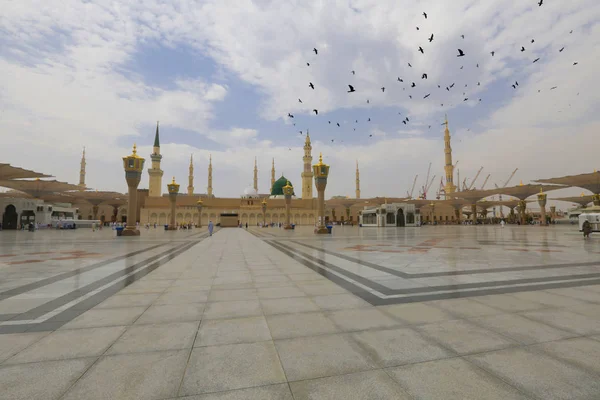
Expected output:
(222, 77)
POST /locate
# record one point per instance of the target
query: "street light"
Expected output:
(321, 173)
(133, 165)
(199, 207)
(288, 191)
(264, 210)
(173, 188)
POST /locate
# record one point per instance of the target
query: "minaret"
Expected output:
(255, 176)
(357, 181)
(209, 188)
(272, 176)
(155, 173)
(191, 177)
(307, 174)
(82, 172)
(448, 168)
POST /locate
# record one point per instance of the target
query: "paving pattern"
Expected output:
(426, 313)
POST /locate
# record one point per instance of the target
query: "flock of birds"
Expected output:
(353, 90)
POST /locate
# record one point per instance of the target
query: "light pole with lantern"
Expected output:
(288, 191)
(133, 165)
(321, 173)
(541, 198)
(173, 188)
(264, 211)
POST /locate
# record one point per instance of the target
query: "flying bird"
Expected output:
(300, 101)
(417, 28)
(516, 83)
(308, 64)
(329, 121)
(462, 66)
(427, 95)
(424, 76)
(478, 83)
(368, 101)
(410, 96)
(315, 50)
(462, 36)
(413, 84)
(400, 80)
(452, 85)
(560, 51)
(407, 120)
(311, 86)
(492, 53)
(425, 15)
(338, 124)
(316, 111)
(383, 89)
(553, 87)
(575, 63)
(532, 41)
(477, 65)
(421, 50)
(460, 53)
(351, 89)
(536, 60)
(447, 88)
(409, 65)
(540, 3)
(404, 122)
(353, 72)
(290, 115)
(431, 38)
(369, 120)
(522, 49)
(466, 98)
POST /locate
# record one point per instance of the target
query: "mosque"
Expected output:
(248, 207)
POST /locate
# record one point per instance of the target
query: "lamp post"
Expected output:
(474, 213)
(264, 211)
(288, 191)
(173, 188)
(133, 165)
(321, 172)
(542, 197)
(199, 207)
(432, 205)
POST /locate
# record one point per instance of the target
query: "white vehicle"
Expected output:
(593, 218)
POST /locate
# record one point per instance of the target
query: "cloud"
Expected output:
(64, 83)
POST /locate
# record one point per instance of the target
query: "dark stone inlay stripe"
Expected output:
(378, 301)
(67, 315)
(44, 282)
(439, 288)
(447, 273)
(68, 297)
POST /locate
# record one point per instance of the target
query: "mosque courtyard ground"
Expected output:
(445, 312)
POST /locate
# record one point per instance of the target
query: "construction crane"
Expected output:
(464, 184)
(503, 186)
(510, 177)
(413, 187)
(484, 182)
(441, 189)
(474, 179)
(428, 187)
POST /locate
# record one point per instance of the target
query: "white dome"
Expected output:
(250, 192)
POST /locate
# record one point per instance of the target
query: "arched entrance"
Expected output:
(10, 217)
(400, 218)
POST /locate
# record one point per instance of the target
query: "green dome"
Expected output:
(277, 189)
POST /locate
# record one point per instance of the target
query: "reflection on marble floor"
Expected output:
(429, 313)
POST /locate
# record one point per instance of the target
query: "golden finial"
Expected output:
(320, 158)
(134, 149)
(173, 181)
(521, 183)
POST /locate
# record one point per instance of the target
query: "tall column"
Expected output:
(288, 191)
(307, 173)
(155, 173)
(199, 207)
(449, 167)
(272, 176)
(357, 181)
(133, 165)
(173, 188)
(190, 188)
(474, 213)
(321, 173)
(255, 176)
(522, 208)
(542, 197)
(209, 189)
(95, 210)
(82, 172)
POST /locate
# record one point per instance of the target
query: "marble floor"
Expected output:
(399, 313)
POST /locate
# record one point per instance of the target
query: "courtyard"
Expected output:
(445, 312)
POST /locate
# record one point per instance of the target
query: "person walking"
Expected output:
(210, 228)
(587, 229)
(502, 223)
